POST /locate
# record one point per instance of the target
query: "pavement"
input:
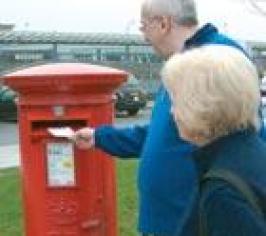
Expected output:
(9, 156)
(9, 145)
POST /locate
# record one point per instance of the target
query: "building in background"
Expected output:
(124, 51)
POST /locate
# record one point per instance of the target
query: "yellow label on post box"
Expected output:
(60, 164)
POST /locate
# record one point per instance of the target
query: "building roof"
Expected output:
(37, 37)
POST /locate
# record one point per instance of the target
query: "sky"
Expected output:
(235, 17)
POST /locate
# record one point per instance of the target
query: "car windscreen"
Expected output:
(132, 82)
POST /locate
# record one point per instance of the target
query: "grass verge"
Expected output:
(10, 205)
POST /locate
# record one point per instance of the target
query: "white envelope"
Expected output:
(61, 132)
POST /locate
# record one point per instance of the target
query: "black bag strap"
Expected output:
(236, 182)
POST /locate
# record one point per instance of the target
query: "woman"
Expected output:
(215, 102)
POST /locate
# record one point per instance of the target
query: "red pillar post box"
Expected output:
(66, 191)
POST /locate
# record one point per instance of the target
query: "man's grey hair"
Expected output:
(183, 11)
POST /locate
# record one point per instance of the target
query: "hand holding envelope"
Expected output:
(83, 138)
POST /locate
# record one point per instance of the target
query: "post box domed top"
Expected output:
(64, 69)
(65, 77)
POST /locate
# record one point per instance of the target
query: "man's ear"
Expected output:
(166, 24)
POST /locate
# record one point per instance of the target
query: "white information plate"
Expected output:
(60, 164)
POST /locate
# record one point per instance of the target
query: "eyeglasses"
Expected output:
(148, 22)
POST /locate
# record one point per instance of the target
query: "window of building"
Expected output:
(28, 56)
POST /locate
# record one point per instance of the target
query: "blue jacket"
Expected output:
(226, 211)
(166, 179)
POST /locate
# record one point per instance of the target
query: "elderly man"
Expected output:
(166, 178)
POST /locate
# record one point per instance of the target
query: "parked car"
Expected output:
(8, 108)
(263, 107)
(263, 86)
(131, 97)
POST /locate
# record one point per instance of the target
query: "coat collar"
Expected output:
(200, 36)
(221, 149)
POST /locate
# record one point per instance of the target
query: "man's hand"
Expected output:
(84, 138)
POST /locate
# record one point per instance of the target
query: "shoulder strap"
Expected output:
(236, 182)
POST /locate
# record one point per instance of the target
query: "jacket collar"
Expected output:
(221, 149)
(200, 36)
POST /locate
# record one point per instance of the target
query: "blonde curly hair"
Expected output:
(214, 91)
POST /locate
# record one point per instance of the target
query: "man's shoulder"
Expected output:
(210, 35)
(213, 36)
(220, 38)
